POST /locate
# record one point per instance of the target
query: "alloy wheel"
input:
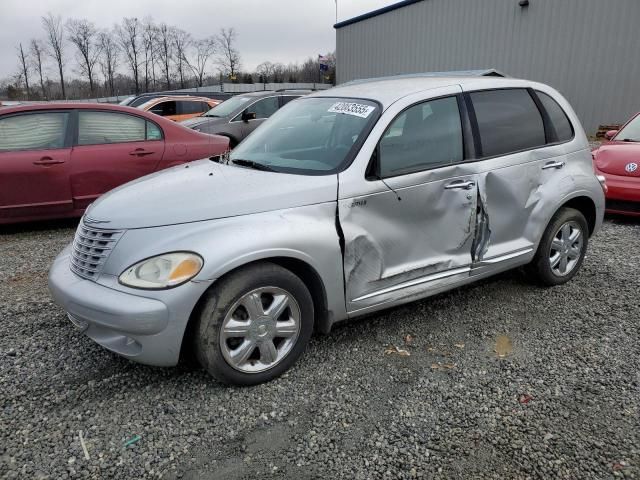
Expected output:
(566, 248)
(260, 329)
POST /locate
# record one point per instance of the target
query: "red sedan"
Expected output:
(56, 158)
(618, 160)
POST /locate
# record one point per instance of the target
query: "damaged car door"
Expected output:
(519, 168)
(410, 227)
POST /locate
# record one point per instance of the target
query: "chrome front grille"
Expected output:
(91, 248)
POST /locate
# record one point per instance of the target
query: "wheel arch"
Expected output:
(586, 206)
(302, 269)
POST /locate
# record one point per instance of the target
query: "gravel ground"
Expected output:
(564, 401)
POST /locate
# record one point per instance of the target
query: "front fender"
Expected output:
(307, 234)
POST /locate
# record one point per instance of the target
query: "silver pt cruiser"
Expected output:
(343, 203)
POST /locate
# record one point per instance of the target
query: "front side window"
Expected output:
(562, 129)
(264, 108)
(33, 131)
(631, 131)
(165, 109)
(107, 127)
(312, 136)
(424, 136)
(508, 121)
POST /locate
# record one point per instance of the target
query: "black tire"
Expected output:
(540, 269)
(225, 295)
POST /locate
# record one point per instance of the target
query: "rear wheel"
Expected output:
(254, 325)
(562, 248)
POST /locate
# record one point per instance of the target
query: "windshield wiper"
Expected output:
(629, 140)
(252, 164)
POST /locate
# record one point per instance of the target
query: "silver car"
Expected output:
(343, 203)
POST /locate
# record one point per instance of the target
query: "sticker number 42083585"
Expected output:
(357, 109)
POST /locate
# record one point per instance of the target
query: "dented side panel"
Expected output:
(393, 240)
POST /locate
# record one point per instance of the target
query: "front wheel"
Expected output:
(254, 325)
(562, 248)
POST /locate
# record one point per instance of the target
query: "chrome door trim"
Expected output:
(507, 256)
(412, 283)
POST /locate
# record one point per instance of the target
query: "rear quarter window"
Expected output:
(562, 128)
(508, 121)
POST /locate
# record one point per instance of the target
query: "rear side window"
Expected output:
(106, 127)
(508, 121)
(153, 131)
(33, 131)
(286, 99)
(562, 129)
(189, 107)
(424, 136)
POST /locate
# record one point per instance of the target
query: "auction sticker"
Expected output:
(357, 109)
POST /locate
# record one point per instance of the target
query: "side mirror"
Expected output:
(610, 134)
(246, 116)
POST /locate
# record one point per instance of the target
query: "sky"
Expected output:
(277, 30)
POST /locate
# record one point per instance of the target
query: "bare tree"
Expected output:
(181, 41)
(229, 58)
(149, 34)
(24, 68)
(108, 58)
(165, 51)
(203, 51)
(83, 34)
(55, 37)
(129, 34)
(37, 52)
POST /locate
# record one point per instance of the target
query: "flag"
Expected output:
(323, 60)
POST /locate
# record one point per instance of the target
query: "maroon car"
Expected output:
(618, 160)
(56, 158)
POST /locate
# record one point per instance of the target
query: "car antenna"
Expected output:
(373, 172)
(390, 188)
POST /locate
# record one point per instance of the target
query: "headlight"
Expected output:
(164, 271)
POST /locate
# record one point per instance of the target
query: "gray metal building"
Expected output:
(587, 49)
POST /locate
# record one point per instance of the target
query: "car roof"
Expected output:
(71, 106)
(390, 89)
(182, 98)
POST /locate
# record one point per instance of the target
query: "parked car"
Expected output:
(344, 203)
(57, 158)
(240, 115)
(178, 108)
(618, 161)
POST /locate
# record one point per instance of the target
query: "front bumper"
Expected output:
(139, 328)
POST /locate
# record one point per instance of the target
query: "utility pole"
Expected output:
(336, 2)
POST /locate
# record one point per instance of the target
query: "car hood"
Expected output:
(616, 158)
(202, 121)
(206, 190)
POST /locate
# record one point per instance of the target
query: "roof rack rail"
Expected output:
(487, 72)
(294, 89)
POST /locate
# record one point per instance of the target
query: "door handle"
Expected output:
(140, 152)
(47, 161)
(468, 185)
(549, 165)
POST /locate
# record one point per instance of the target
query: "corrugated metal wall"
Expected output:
(587, 49)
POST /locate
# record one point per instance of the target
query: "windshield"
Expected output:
(631, 132)
(227, 107)
(311, 136)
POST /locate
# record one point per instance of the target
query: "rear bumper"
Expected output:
(135, 327)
